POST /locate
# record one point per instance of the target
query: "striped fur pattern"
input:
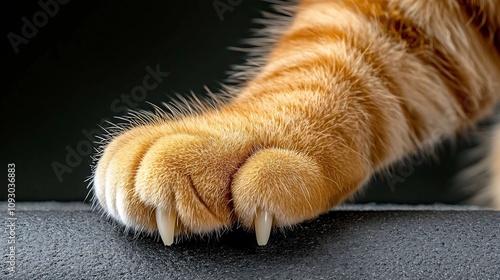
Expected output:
(343, 89)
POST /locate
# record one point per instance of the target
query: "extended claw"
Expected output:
(166, 221)
(263, 224)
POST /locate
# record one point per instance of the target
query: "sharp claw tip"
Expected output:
(263, 224)
(166, 221)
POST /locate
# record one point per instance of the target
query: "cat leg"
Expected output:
(337, 101)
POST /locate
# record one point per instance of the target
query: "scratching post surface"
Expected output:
(69, 241)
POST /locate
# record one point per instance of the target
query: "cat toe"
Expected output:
(279, 188)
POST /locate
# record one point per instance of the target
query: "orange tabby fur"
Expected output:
(349, 88)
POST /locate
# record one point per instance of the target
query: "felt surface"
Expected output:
(69, 241)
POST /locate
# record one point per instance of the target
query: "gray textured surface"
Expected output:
(68, 241)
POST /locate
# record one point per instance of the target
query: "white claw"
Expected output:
(166, 221)
(263, 223)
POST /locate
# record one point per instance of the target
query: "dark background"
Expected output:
(63, 81)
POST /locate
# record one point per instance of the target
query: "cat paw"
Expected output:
(188, 181)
